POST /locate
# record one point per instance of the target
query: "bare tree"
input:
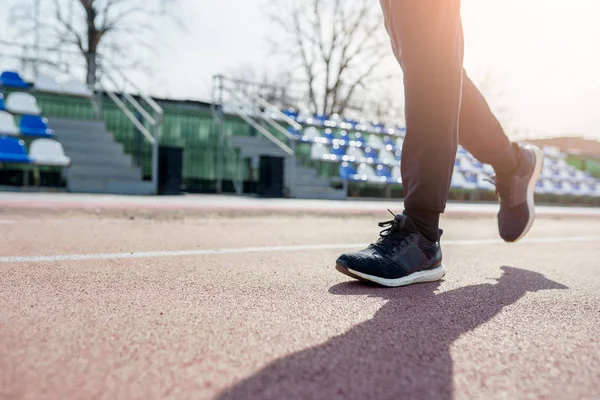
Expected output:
(338, 47)
(106, 33)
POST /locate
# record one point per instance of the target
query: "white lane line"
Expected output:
(156, 254)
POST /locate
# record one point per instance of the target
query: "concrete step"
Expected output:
(110, 185)
(83, 134)
(317, 192)
(76, 124)
(83, 146)
(256, 146)
(103, 171)
(91, 140)
(100, 159)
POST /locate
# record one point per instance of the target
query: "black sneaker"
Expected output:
(516, 193)
(402, 256)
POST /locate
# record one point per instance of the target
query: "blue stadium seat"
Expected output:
(358, 137)
(294, 132)
(347, 170)
(292, 113)
(384, 173)
(2, 106)
(337, 152)
(371, 153)
(387, 141)
(343, 137)
(13, 150)
(328, 135)
(33, 125)
(12, 79)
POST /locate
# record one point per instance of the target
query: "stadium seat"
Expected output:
(396, 175)
(371, 155)
(7, 124)
(389, 142)
(34, 125)
(45, 83)
(290, 112)
(48, 152)
(12, 79)
(383, 173)
(343, 138)
(22, 103)
(355, 154)
(2, 106)
(386, 157)
(399, 143)
(347, 171)
(366, 173)
(12, 150)
(318, 151)
(328, 135)
(337, 153)
(76, 88)
(310, 134)
(567, 188)
(488, 169)
(375, 142)
(359, 140)
(460, 181)
(549, 186)
(539, 187)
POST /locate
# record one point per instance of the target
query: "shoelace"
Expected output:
(392, 226)
(504, 187)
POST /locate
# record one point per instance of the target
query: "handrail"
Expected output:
(262, 130)
(139, 108)
(130, 116)
(286, 118)
(265, 132)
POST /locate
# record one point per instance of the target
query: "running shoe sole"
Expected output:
(430, 275)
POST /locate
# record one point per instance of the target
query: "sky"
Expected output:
(543, 53)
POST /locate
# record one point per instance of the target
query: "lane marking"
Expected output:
(203, 252)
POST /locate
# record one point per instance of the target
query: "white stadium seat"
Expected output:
(310, 134)
(366, 172)
(317, 151)
(48, 152)
(397, 174)
(76, 88)
(22, 103)
(375, 142)
(7, 124)
(355, 154)
(46, 83)
(387, 157)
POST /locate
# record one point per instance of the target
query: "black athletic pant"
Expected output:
(427, 39)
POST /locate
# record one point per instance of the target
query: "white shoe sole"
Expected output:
(430, 275)
(539, 161)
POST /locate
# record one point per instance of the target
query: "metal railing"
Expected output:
(245, 99)
(153, 121)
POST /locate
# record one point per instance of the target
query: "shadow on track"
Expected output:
(402, 352)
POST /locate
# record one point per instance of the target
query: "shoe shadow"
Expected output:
(403, 352)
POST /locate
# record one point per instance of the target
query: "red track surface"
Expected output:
(508, 321)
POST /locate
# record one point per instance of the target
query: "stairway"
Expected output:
(99, 164)
(303, 182)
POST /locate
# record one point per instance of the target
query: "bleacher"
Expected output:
(371, 152)
(26, 140)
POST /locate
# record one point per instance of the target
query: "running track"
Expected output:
(228, 298)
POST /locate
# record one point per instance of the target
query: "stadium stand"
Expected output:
(365, 151)
(2, 106)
